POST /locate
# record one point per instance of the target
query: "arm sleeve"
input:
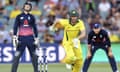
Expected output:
(63, 22)
(89, 38)
(82, 27)
(59, 23)
(15, 27)
(107, 39)
(34, 27)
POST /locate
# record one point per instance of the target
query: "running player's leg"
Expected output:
(79, 62)
(19, 51)
(70, 56)
(87, 61)
(34, 57)
(111, 60)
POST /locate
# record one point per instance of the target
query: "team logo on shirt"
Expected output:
(29, 18)
(94, 36)
(21, 18)
(93, 39)
(26, 23)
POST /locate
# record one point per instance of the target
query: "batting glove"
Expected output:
(51, 28)
(15, 41)
(76, 42)
(36, 42)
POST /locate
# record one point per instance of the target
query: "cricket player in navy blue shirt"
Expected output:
(25, 35)
(99, 39)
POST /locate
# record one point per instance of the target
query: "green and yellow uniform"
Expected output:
(73, 55)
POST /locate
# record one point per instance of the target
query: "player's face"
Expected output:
(73, 19)
(96, 30)
(27, 8)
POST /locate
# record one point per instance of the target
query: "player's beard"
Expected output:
(27, 10)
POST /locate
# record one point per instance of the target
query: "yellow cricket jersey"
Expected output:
(71, 31)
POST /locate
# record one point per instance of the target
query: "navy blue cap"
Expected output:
(96, 26)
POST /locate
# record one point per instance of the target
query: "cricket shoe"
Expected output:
(69, 66)
(81, 71)
(72, 60)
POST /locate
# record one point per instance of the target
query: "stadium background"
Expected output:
(46, 11)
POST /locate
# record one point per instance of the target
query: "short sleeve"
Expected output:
(82, 27)
(63, 22)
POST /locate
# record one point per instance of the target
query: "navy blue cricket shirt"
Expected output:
(100, 39)
(25, 25)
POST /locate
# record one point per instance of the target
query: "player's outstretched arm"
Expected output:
(57, 24)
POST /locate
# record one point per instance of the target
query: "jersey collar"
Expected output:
(73, 24)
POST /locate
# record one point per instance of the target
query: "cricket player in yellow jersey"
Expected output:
(74, 31)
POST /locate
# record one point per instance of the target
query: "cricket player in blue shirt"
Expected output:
(25, 34)
(99, 39)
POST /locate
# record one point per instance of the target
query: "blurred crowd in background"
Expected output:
(105, 12)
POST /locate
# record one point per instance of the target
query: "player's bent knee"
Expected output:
(79, 62)
(73, 58)
(70, 60)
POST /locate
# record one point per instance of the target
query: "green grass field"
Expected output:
(95, 67)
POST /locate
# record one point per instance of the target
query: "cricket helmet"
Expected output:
(73, 13)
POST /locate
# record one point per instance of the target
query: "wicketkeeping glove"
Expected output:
(15, 41)
(76, 42)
